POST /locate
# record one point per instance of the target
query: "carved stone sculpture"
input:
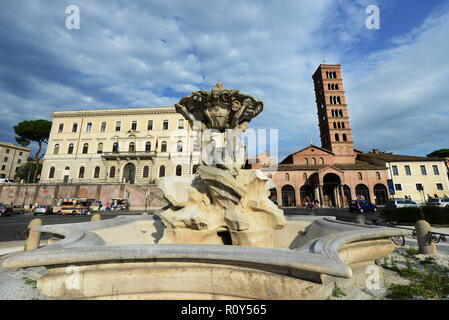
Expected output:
(221, 198)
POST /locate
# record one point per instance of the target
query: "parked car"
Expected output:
(438, 202)
(5, 210)
(362, 206)
(17, 209)
(6, 180)
(43, 209)
(401, 203)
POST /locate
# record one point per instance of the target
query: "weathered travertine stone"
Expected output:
(214, 201)
(425, 246)
(34, 237)
(96, 217)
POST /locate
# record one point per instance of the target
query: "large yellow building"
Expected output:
(134, 145)
(11, 158)
(417, 177)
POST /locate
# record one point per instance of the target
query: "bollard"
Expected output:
(425, 245)
(96, 217)
(360, 219)
(34, 237)
(144, 213)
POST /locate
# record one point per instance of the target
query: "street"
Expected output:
(12, 225)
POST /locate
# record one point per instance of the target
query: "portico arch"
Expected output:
(362, 192)
(332, 196)
(288, 196)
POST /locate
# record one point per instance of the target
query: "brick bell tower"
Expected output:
(333, 116)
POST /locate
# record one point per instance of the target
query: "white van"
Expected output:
(6, 180)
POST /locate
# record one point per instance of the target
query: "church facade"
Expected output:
(331, 174)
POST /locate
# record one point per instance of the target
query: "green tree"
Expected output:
(33, 131)
(27, 167)
(439, 153)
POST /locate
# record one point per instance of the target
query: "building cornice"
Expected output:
(113, 112)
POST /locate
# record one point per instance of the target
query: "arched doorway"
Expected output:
(288, 196)
(129, 173)
(307, 193)
(332, 196)
(380, 194)
(362, 192)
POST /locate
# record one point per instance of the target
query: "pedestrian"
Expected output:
(410, 197)
(276, 202)
(436, 196)
(107, 206)
(406, 197)
(127, 204)
(100, 206)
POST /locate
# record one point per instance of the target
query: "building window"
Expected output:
(75, 127)
(162, 171)
(398, 187)
(103, 127)
(419, 187)
(20, 153)
(395, 170)
(423, 170)
(164, 146)
(61, 128)
(56, 149)
(3, 167)
(179, 146)
(134, 125)
(115, 147)
(132, 147)
(97, 173)
(287, 177)
(344, 137)
(51, 175)
(148, 146)
(321, 161)
(89, 127)
(179, 170)
(314, 161)
(112, 172)
(342, 125)
(150, 125)
(440, 187)
(146, 171)
(118, 126)
(408, 171)
(337, 138)
(304, 176)
(165, 125)
(306, 161)
(85, 148)
(435, 170)
(81, 173)
(19, 161)
(181, 124)
(377, 175)
(360, 176)
(5, 159)
(100, 148)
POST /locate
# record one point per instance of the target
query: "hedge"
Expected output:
(432, 215)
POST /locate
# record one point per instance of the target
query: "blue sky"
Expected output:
(152, 53)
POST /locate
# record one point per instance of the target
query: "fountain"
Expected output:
(219, 237)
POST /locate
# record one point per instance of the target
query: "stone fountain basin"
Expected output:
(127, 257)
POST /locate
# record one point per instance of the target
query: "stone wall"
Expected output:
(46, 194)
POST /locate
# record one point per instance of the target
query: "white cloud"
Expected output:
(145, 54)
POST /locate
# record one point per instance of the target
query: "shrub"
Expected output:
(432, 215)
